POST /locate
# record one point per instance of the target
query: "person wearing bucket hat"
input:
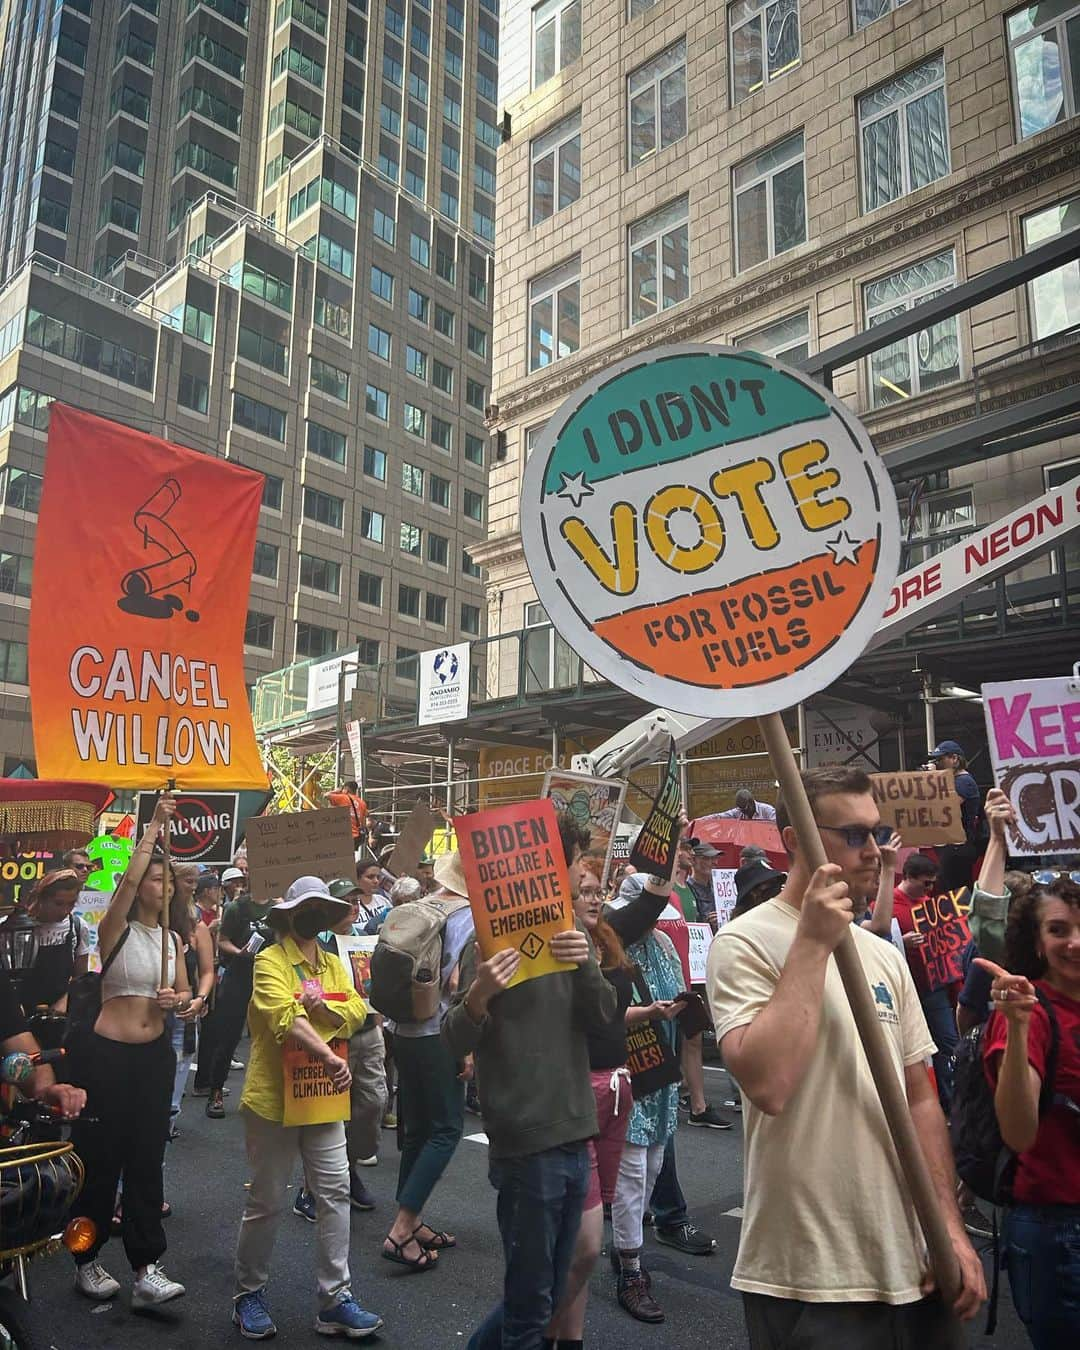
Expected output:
(302, 1001)
(755, 882)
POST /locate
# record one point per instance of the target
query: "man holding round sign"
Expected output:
(715, 533)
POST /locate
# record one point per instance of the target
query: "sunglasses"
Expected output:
(855, 836)
(1048, 878)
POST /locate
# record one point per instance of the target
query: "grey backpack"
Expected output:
(406, 965)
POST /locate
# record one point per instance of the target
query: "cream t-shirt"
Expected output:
(826, 1213)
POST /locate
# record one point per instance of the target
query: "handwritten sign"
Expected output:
(701, 936)
(310, 1098)
(724, 893)
(595, 803)
(298, 844)
(1033, 727)
(701, 523)
(421, 824)
(658, 839)
(518, 888)
(942, 919)
(923, 808)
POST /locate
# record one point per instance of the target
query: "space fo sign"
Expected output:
(710, 530)
(444, 685)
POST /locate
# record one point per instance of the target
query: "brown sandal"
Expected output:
(438, 1242)
(425, 1261)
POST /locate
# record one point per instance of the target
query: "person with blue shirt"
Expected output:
(958, 860)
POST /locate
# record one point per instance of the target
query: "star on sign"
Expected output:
(574, 488)
(843, 548)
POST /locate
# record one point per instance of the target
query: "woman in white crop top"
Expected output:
(127, 1064)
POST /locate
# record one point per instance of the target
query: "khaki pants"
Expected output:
(367, 1064)
(271, 1152)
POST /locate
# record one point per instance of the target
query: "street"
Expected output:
(205, 1172)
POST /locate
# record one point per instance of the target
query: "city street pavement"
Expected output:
(205, 1174)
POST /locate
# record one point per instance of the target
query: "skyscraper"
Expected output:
(263, 231)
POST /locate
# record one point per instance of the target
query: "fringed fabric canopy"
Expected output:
(38, 814)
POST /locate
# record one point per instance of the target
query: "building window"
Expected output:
(786, 339)
(16, 570)
(414, 420)
(258, 417)
(420, 250)
(193, 393)
(1053, 298)
(418, 306)
(478, 286)
(439, 491)
(265, 561)
(867, 11)
(770, 203)
(367, 651)
(377, 403)
(926, 360)
(470, 620)
(442, 376)
(657, 103)
(262, 350)
(476, 395)
(764, 43)
(369, 589)
(320, 574)
(938, 521)
(444, 321)
(416, 363)
(445, 266)
(554, 314)
(378, 342)
(384, 227)
(412, 479)
(904, 134)
(330, 380)
(468, 567)
(325, 443)
(259, 630)
(273, 486)
(314, 641)
(406, 664)
(374, 463)
(323, 508)
(472, 504)
(372, 525)
(1044, 48)
(382, 284)
(556, 168)
(474, 449)
(660, 260)
(556, 33)
(409, 539)
(438, 549)
(477, 341)
(442, 434)
(435, 609)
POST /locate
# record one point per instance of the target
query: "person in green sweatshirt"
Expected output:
(538, 1107)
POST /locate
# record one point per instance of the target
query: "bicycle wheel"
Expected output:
(17, 1319)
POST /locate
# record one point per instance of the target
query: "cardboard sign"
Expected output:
(309, 1096)
(724, 893)
(658, 839)
(355, 953)
(701, 936)
(923, 808)
(702, 523)
(596, 803)
(517, 882)
(299, 844)
(140, 601)
(443, 685)
(203, 829)
(1033, 728)
(412, 840)
(943, 921)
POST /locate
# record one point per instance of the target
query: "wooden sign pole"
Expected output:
(890, 1091)
(166, 893)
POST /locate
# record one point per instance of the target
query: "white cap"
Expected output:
(233, 874)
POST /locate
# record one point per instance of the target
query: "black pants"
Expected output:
(788, 1324)
(223, 1028)
(128, 1092)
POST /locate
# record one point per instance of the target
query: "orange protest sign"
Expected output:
(310, 1097)
(141, 577)
(518, 888)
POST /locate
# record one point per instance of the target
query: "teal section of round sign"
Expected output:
(710, 530)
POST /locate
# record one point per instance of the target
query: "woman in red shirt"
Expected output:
(1042, 1232)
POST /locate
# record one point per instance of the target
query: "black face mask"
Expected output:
(310, 922)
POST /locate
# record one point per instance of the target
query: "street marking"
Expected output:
(477, 1138)
(735, 1213)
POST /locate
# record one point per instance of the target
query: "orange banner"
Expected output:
(142, 570)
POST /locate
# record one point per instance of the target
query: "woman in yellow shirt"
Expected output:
(296, 1099)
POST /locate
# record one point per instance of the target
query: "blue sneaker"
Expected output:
(252, 1316)
(347, 1318)
(304, 1205)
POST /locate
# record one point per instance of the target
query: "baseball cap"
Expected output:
(341, 888)
(206, 882)
(947, 748)
(706, 851)
(233, 874)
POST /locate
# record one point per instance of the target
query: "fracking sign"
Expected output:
(518, 888)
(1033, 728)
(203, 829)
(704, 525)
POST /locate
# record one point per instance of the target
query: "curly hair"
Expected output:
(1022, 934)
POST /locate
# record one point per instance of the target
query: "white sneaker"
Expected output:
(373, 1161)
(236, 1064)
(154, 1287)
(95, 1282)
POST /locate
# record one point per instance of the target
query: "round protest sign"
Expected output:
(710, 530)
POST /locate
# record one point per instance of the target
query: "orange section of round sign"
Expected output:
(762, 628)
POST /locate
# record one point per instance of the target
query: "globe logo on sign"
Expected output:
(446, 666)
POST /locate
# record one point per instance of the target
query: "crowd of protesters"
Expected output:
(580, 1133)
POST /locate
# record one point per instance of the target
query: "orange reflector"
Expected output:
(80, 1235)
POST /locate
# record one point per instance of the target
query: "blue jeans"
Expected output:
(668, 1203)
(941, 1019)
(1042, 1256)
(539, 1211)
